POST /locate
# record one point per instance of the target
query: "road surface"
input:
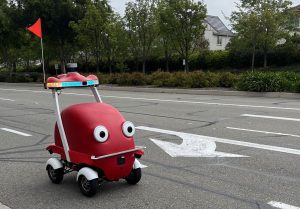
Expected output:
(202, 151)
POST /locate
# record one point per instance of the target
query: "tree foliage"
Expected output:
(154, 33)
(261, 24)
(181, 20)
(92, 30)
(140, 24)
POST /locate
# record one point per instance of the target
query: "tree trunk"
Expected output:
(110, 67)
(98, 62)
(253, 58)
(167, 58)
(5, 58)
(186, 67)
(12, 74)
(167, 65)
(144, 66)
(136, 64)
(62, 66)
(27, 63)
(265, 59)
(62, 61)
(46, 64)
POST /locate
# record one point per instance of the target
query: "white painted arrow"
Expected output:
(186, 136)
(191, 146)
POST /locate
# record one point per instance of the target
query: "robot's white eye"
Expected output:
(100, 134)
(128, 129)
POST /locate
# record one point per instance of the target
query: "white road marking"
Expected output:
(225, 141)
(264, 132)
(4, 99)
(15, 132)
(270, 117)
(165, 100)
(3, 206)
(282, 205)
(191, 146)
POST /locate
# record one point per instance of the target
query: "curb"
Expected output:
(214, 92)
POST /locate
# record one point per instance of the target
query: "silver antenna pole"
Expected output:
(43, 63)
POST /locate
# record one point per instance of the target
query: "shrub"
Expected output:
(134, 79)
(268, 81)
(228, 79)
(159, 78)
(198, 80)
(178, 79)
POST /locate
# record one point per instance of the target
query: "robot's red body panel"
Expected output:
(79, 123)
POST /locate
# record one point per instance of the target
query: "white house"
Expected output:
(297, 18)
(216, 33)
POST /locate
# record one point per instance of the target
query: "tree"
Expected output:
(11, 36)
(262, 23)
(183, 21)
(140, 23)
(56, 16)
(165, 39)
(92, 29)
(115, 41)
(4, 30)
(247, 27)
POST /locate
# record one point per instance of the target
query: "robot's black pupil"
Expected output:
(129, 129)
(102, 134)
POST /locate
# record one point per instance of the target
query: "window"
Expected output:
(297, 22)
(219, 40)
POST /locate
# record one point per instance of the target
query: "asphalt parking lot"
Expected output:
(202, 151)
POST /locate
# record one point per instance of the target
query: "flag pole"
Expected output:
(43, 63)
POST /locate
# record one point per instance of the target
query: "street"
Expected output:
(202, 151)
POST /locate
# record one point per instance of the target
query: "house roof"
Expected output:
(216, 23)
(296, 9)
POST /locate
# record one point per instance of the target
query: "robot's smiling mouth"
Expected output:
(117, 153)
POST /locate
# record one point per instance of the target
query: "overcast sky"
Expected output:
(214, 7)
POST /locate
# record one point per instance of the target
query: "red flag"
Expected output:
(36, 28)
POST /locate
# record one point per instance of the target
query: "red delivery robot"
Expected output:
(91, 138)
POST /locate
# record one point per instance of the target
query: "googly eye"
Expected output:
(100, 134)
(128, 129)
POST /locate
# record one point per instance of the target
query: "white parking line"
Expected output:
(15, 132)
(225, 141)
(4, 99)
(166, 100)
(282, 205)
(264, 132)
(3, 206)
(270, 117)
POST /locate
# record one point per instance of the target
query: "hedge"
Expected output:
(249, 81)
(196, 79)
(257, 81)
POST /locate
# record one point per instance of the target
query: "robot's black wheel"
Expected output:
(55, 175)
(134, 177)
(88, 188)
